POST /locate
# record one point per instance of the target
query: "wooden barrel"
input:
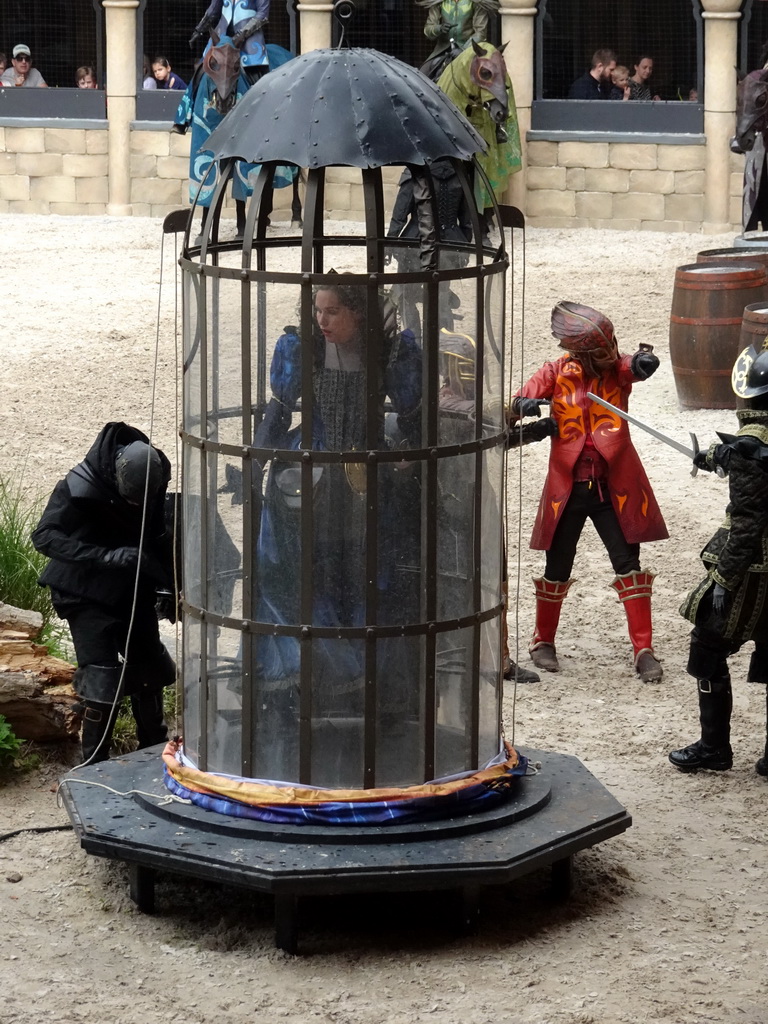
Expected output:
(726, 256)
(705, 327)
(754, 326)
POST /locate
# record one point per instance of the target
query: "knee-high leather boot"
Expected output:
(550, 595)
(96, 734)
(510, 669)
(713, 750)
(762, 765)
(147, 709)
(97, 686)
(634, 590)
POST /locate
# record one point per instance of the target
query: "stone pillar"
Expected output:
(120, 18)
(720, 61)
(517, 31)
(314, 24)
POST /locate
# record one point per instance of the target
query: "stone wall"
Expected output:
(622, 185)
(606, 184)
(65, 171)
(53, 169)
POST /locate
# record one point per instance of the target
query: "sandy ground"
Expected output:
(666, 922)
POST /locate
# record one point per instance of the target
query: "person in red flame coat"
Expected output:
(594, 473)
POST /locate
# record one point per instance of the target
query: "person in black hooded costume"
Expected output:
(91, 530)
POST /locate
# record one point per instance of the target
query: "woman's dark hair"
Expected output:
(352, 296)
(643, 56)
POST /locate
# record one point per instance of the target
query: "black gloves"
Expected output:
(528, 433)
(166, 606)
(528, 406)
(546, 427)
(644, 364)
(251, 26)
(121, 558)
(207, 23)
(721, 605)
(716, 460)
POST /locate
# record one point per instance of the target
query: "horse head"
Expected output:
(751, 110)
(489, 72)
(222, 65)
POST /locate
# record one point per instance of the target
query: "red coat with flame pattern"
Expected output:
(563, 383)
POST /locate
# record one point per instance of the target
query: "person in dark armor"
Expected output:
(454, 226)
(730, 605)
(104, 530)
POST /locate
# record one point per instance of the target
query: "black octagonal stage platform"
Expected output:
(550, 816)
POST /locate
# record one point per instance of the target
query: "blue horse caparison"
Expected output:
(200, 107)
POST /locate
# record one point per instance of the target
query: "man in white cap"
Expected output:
(21, 71)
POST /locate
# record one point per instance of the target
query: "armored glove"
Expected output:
(644, 364)
(121, 558)
(201, 29)
(700, 461)
(528, 406)
(249, 28)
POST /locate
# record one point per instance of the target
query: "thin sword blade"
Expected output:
(643, 426)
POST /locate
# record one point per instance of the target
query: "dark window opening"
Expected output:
(568, 32)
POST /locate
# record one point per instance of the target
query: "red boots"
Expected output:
(549, 601)
(634, 592)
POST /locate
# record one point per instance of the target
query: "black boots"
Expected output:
(514, 671)
(96, 735)
(762, 765)
(713, 750)
(147, 709)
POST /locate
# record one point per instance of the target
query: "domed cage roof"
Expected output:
(353, 108)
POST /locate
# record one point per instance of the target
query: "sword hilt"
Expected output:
(695, 447)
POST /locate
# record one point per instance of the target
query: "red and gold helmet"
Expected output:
(581, 329)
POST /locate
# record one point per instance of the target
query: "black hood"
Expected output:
(98, 466)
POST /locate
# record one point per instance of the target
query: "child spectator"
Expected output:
(85, 78)
(165, 78)
(620, 79)
(148, 79)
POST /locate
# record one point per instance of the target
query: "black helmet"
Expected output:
(757, 376)
(749, 377)
(132, 472)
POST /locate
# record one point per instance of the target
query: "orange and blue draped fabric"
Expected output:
(287, 804)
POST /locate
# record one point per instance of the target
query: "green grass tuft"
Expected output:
(21, 564)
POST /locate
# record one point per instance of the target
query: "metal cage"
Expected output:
(343, 500)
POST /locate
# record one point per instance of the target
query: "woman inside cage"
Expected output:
(341, 391)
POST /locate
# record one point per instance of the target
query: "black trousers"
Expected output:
(585, 503)
(709, 652)
(100, 634)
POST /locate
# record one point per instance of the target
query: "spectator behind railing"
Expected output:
(85, 77)
(620, 80)
(3, 63)
(165, 78)
(22, 73)
(147, 76)
(638, 83)
(596, 83)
